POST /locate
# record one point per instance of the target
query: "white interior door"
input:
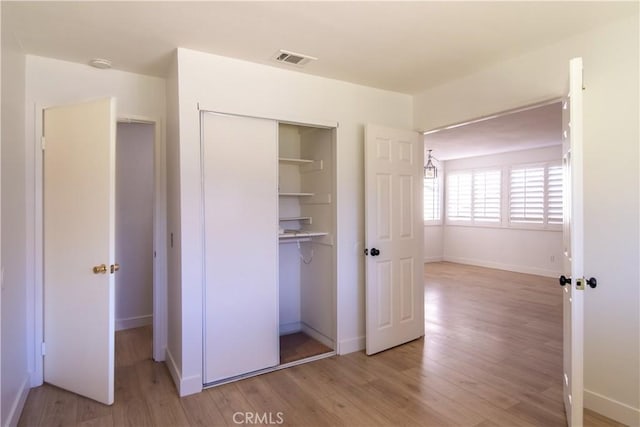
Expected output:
(79, 211)
(240, 167)
(573, 247)
(394, 237)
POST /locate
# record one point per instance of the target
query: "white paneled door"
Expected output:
(573, 281)
(79, 211)
(394, 237)
(240, 184)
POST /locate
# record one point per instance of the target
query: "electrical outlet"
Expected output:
(552, 258)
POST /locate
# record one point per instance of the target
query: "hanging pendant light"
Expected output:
(430, 170)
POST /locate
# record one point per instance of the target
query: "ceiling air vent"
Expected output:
(293, 58)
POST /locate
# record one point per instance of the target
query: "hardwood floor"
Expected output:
(299, 346)
(492, 357)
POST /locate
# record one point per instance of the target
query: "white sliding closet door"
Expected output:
(240, 160)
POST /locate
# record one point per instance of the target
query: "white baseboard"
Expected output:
(611, 408)
(18, 403)
(317, 335)
(133, 322)
(351, 345)
(173, 368)
(290, 328)
(433, 259)
(186, 385)
(501, 266)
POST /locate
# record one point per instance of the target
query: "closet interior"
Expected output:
(306, 235)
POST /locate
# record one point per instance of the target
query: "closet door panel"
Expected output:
(240, 181)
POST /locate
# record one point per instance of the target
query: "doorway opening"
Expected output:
(134, 222)
(496, 228)
(140, 168)
(498, 186)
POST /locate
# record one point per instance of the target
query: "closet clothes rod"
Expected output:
(306, 240)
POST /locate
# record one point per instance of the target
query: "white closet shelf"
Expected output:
(296, 194)
(292, 161)
(297, 218)
(300, 234)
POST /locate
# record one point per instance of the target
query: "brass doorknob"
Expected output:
(100, 269)
(115, 267)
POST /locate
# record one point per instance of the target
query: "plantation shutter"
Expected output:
(431, 199)
(554, 194)
(526, 196)
(486, 196)
(459, 197)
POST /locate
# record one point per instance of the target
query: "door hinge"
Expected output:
(43, 349)
(42, 143)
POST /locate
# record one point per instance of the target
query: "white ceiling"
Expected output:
(399, 46)
(532, 128)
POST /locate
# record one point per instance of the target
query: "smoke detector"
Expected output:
(292, 58)
(100, 63)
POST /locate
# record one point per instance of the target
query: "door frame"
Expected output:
(159, 241)
(495, 115)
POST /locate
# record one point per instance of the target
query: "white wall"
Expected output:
(53, 82)
(230, 85)
(174, 273)
(612, 226)
(14, 369)
(134, 224)
(501, 246)
(433, 243)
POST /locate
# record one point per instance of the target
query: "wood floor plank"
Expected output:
(593, 419)
(424, 403)
(492, 356)
(154, 380)
(298, 346)
(89, 410)
(168, 411)
(470, 386)
(302, 402)
(132, 413)
(311, 378)
(34, 407)
(266, 402)
(343, 373)
(350, 413)
(537, 415)
(127, 384)
(394, 410)
(407, 385)
(229, 400)
(202, 411)
(105, 421)
(59, 407)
